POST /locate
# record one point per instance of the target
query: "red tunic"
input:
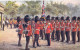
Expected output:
(20, 27)
(48, 28)
(74, 27)
(57, 25)
(53, 25)
(78, 26)
(62, 26)
(68, 26)
(42, 25)
(29, 30)
(37, 28)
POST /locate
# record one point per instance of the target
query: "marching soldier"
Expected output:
(57, 29)
(37, 32)
(28, 31)
(74, 29)
(11, 23)
(62, 29)
(48, 30)
(67, 29)
(41, 28)
(53, 25)
(78, 35)
(20, 30)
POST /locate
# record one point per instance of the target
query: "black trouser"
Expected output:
(63, 36)
(27, 41)
(19, 42)
(3, 27)
(78, 35)
(68, 36)
(53, 35)
(74, 37)
(7, 25)
(41, 33)
(11, 25)
(48, 38)
(36, 38)
(58, 35)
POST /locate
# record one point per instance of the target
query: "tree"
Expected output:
(33, 7)
(11, 8)
(57, 8)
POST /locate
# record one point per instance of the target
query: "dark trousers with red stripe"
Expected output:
(58, 35)
(74, 37)
(67, 36)
(48, 38)
(62, 36)
(36, 38)
(27, 41)
(41, 34)
(78, 35)
(53, 35)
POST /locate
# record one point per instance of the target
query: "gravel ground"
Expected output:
(9, 38)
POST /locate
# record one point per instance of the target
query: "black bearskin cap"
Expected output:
(48, 17)
(74, 18)
(67, 18)
(36, 18)
(52, 18)
(62, 18)
(18, 19)
(57, 18)
(26, 18)
(78, 18)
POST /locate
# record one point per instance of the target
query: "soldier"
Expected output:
(48, 30)
(28, 31)
(57, 29)
(53, 25)
(78, 35)
(37, 31)
(20, 30)
(74, 29)
(67, 28)
(62, 29)
(41, 28)
(11, 23)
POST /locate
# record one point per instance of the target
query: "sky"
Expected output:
(19, 2)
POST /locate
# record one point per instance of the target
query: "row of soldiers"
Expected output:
(50, 29)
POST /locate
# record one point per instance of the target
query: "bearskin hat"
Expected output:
(62, 18)
(67, 18)
(57, 18)
(42, 19)
(74, 18)
(26, 18)
(48, 17)
(36, 18)
(78, 18)
(18, 19)
(52, 18)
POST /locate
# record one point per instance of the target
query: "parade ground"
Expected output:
(9, 39)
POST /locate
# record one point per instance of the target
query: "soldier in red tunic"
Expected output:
(37, 32)
(67, 29)
(41, 28)
(57, 29)
(20, 30)
(48, 30)
(78, 34)
(53, 25)
(74, 29)
(28, 31)
(62, 29)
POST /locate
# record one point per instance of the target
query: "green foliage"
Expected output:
(33, 7)
(56, 9)
(11, 8)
